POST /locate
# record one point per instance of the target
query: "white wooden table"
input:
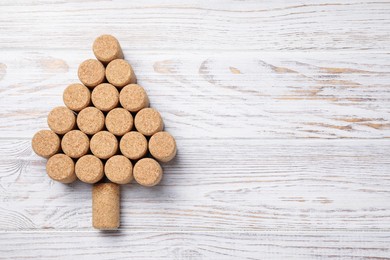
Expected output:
(281, 112)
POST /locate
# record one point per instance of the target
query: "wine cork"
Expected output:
(119, 169)
(60, 167)
(89, 169)
(119, 121)
(148, 121)
(76, 97)
(90, 120)
(91, 73)
(75, 144)
(46, 143)
(107, 48)
(105, 97)
(106, 206)
(61, 120)
(147, 172)
(162, 146)
(133, 145)
(120, 73)
(104, 144)
(134, 98)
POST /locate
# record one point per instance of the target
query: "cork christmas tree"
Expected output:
(106, 134)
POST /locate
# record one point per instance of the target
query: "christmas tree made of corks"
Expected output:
(106, 128)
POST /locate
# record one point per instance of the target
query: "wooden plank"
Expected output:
(218, 184)
(352, 25)
(242, 95)
(194, 245)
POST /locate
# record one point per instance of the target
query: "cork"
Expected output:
(46, 143)
(147, 172)
(61, 120)
(75, 144)
(119, 121)
(148, 121)
(133, 145)
(105, 97)
(104, 144)
(120, 73)
(91, 73)
(162, 146)
(89, 169)
(90, 120)
(60, 167)
(107, 48)
(134, 98)
(76, 97)
(119, 169)
(106, 206)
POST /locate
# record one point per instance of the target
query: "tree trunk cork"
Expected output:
(106, 206)
(107, 48)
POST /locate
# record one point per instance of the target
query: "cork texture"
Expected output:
(90, 120)
(89, 169)
(148, 121)
(147, 172)
(162, 146)
(46, 143)
(133, 98)
(107, 48)
(60, 167)
(75, 144)
(119, 169)
(120, 73)
(76, 97)
(106, 206)
(104, 144)
(133, 145)
(119, 121)
(91, 73)
(61, 120)
(105, 97)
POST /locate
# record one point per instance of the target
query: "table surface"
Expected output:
(281, 113)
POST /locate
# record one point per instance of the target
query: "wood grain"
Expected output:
(352, 25)
(218, 184)
(243, 95)
(199, 245)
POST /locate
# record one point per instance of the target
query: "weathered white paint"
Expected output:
(252, 90)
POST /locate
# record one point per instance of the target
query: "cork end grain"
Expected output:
(89, 169)
(119, 121)
(104, 144)
(90, 120)
(120, 73)
(147, 172)
(105, 206)
(60, 167)
(162, 146)
(75, 144)
(133, 145)
(61, 120)
(119, 169)
(46, 143)
(107, 48)
(91, 72)
(76, 97)
(133, 98)
(148, 121)
(105, 96)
